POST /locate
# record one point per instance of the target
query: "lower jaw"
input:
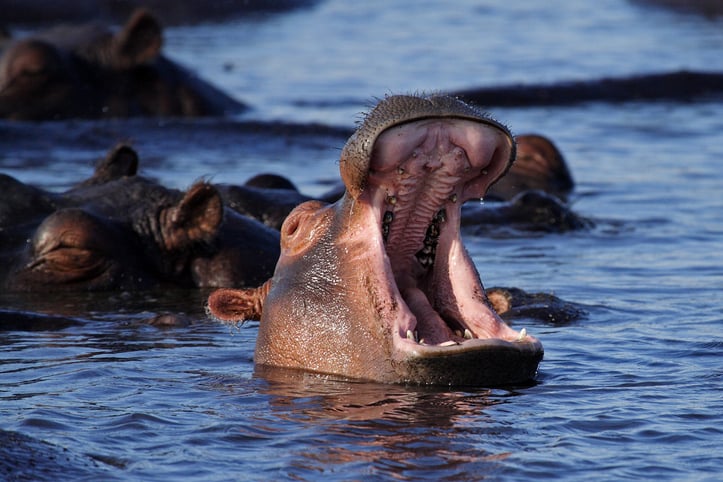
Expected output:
(476, 363)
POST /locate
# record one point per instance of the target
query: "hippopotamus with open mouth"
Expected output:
(378, 286)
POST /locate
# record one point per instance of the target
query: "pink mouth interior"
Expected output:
(420, 174)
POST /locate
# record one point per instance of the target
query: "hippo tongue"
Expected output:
(420, 173)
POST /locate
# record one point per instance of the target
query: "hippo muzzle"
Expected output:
(379, 286)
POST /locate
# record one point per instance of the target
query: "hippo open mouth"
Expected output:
(379, 286)
(420, 174)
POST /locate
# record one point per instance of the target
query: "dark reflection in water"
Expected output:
(48, 311)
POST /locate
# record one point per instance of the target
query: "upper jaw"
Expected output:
(396, 110)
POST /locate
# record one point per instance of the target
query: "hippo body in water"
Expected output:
(676, 86)
(117, 231)
(87, 71)
(378, 286)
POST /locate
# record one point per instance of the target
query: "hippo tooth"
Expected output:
(523, 334)
(392, 200)
(448, 343)
(468, 334)
(412, 335)
(458, 333)
(453, 198)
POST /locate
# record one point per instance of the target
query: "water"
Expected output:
(631, 391)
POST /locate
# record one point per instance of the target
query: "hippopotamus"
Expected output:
(378, 285)
(681, 85)
(118, 230)
(539, 166)
(88, 71)
(266, 197)
(528, 211)
(708, 8)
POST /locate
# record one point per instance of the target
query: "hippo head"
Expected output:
(539, 166)
(121, 231)
(85, 247)
(35, 80)
(72, 71)
(92, 71)
(379, 286)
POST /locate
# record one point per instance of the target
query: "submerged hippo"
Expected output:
(268, 198)
(681, 85)
(118, 230)
(539, 166)
(88, 71)
(378, 286)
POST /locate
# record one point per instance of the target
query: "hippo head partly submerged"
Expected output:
(379, 286)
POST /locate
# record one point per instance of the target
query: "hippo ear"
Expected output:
(196, 218)
(140, 40)
(121, 161)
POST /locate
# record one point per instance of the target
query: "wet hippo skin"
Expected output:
(120, 231)
(378, 286)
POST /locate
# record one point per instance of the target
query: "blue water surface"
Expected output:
(632, 391)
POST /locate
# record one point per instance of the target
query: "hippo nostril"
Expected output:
(291, 227)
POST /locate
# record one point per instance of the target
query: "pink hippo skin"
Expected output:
(378, 286)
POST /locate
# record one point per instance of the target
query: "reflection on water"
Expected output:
(407, 431)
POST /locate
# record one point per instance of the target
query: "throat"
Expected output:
(425, 256)
(414, 264)
(412, 243)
